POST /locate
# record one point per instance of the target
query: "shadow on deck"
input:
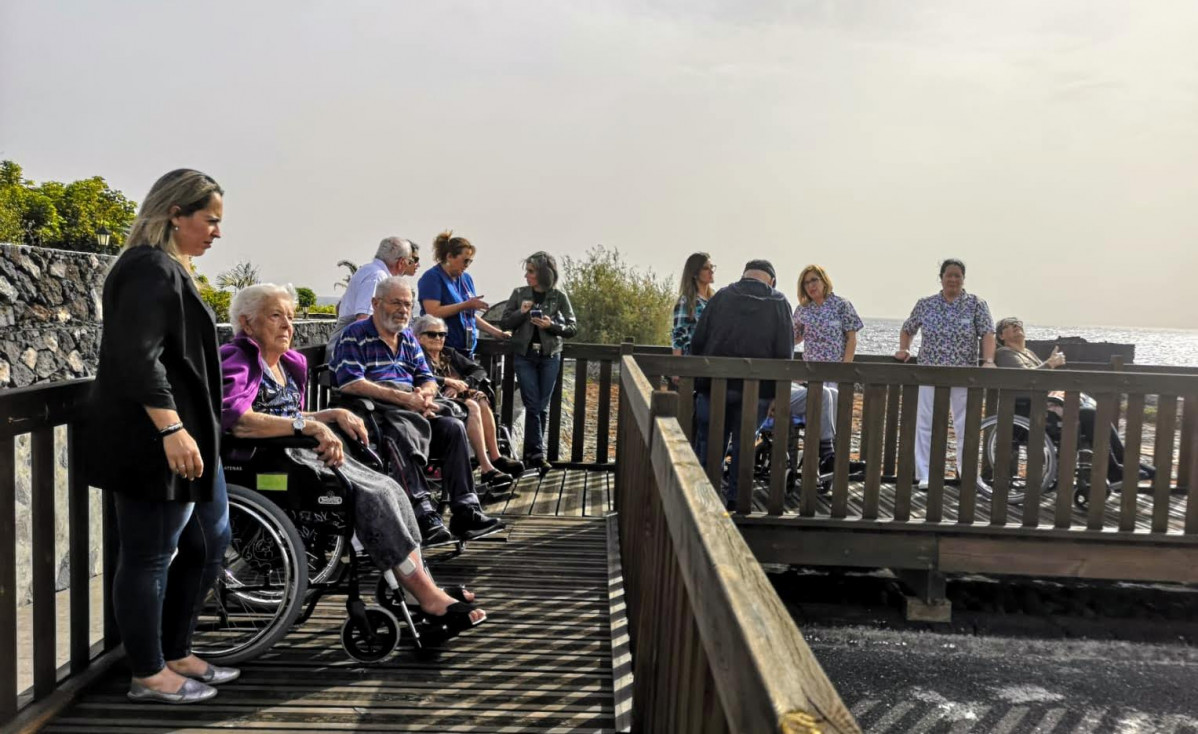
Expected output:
(542, 661)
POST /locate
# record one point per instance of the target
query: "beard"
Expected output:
(394, 324)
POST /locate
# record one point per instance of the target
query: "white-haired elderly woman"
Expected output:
(465, 381)
(264, 380)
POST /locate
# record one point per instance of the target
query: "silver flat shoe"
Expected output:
(192, 691)
(215, 675)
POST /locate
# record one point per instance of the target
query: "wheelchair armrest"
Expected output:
(353, 402)
(229, 441)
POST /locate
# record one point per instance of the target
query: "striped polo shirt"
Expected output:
(361, 354)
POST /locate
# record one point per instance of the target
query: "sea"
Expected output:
(1173, 347)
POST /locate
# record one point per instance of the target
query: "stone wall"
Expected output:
(49, 314)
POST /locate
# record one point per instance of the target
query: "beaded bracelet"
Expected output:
(172, 428)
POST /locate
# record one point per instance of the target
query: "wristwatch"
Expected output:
(297, 424)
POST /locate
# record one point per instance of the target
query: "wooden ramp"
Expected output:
(542, 661)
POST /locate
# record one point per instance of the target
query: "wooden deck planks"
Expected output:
(542, 661)
(951, 505)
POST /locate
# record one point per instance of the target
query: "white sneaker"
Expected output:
(924, 485)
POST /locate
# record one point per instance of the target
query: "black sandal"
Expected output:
(455, 621)
(458, 591)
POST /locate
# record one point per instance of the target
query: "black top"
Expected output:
(158, 349)
(745, 319)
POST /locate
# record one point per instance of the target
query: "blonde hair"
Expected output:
(181, 192)
(804, 299)
(249, 301)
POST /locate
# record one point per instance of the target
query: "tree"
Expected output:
(344, 282)
(614, 300)
(65, 216)
(305, 298)
(241, 275)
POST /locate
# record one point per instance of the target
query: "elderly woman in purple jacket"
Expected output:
(264, 383)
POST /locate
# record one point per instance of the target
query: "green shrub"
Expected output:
(329, 309)
(218, 301)
(305, 298)
(614, 300)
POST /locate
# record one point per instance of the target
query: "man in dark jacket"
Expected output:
(746, 319)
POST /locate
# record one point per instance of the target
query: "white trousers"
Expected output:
(958, 397)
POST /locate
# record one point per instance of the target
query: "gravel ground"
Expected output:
(1019, 656)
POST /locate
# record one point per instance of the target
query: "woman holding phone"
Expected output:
(539, 317)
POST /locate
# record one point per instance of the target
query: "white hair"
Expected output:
(394, 281)
(393, 249)
(422, 323)
(250, 301)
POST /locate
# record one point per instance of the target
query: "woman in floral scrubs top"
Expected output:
(953, 323)
(826, 325)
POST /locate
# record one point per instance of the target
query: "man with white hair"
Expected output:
(380, 359)
(394, 257)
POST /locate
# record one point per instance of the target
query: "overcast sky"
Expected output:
(1051, 145)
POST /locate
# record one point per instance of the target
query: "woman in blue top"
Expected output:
(447, 292)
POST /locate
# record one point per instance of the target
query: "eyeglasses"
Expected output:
(415, 259)
(395, 303)
(809, 281)
(709, 267)
(435, 334)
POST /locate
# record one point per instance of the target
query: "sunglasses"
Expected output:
(435, 334)
(415, 259)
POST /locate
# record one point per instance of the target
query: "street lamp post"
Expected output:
(102, 237)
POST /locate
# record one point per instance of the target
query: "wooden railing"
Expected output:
(887, 432)
(37, 411)
(714, 649)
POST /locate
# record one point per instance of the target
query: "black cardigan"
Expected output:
(158, 349)
(470, 372)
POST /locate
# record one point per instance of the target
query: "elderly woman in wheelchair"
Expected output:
(1013, 353)
(293, 465)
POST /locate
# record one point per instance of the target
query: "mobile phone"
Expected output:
(536, 313)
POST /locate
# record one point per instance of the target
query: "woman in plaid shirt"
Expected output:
(697, 277)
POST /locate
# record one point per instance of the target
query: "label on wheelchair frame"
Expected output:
(328, 499)
(272, 483)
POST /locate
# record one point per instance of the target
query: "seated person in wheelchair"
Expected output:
(264, 382)
(827, 423)
(1013, 352)
(379, 359)
(465, 382)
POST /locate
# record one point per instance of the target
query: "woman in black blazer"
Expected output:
(153, 438)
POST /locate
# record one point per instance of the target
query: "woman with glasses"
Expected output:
(696, 290)
(826, 325)
(539, 316)
(465, 381)
(447, 292)
(412, 264)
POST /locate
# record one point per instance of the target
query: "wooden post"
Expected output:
(8, 579)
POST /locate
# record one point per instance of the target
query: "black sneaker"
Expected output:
(510, 466)
(469, 523)
(433, 532)
(543, 467)
(496, 480)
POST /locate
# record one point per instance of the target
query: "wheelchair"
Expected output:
(292, 544)
(763, 453)
(366, 409)
(1020, 450)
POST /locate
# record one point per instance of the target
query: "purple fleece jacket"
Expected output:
(241, 370)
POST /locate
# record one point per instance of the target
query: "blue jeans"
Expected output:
(156, 600)
(537, 375)
(732, 411)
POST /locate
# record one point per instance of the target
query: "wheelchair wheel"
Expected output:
(261, 590)
(1017, 489)
(374, 641)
